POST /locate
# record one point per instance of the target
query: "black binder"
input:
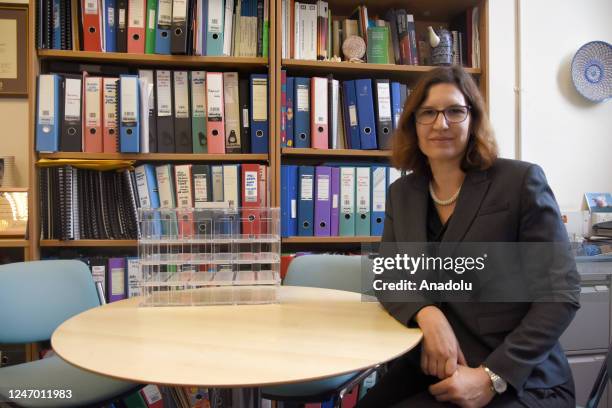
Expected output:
(72, 125)
(180, 34)
(163, 111)
(122, 10)
(245, 106)
(384, 120)
(181, 112)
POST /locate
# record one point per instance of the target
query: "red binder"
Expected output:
(215, 119)
(92, 39)
(136, 27)
(92, 114)
(251, 198)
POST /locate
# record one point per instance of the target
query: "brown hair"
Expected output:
(481, 150)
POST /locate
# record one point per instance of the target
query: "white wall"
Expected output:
(568, 136)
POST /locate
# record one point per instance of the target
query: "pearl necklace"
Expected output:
(449, 201)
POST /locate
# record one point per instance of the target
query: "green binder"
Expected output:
(150, 31)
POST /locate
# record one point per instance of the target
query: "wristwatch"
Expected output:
(498, 384)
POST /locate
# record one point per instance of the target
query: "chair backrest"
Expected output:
(340, 272)
(36, 297)
(603, 378)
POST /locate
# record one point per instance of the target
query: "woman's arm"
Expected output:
(530, 343)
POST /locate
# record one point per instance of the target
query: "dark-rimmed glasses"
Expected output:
(452, 114)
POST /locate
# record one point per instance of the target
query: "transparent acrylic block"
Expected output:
(206, 256)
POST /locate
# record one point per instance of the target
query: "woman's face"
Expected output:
(443, 137)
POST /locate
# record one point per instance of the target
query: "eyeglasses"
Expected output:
(453, 114)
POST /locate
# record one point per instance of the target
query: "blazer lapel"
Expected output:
(470, 198)
(416, 212)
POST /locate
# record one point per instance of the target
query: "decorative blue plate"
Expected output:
(592, 71)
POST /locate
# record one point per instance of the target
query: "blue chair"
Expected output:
(331, 272)
(604, 377)
(35, 298)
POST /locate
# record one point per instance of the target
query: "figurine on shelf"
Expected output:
(441, 46)
(354, 48)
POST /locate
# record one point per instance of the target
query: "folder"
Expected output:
(136, 26)
(289, 194)
(163, 27)
(47, 121)
(110, 124)
(396, 104)
(184, 199)
(92, 36)
(333, 119)
(200, 21)
(365, 114)
(347, 201)
(302, 112)
(228, 27)
(92, 112)
(245, 115)
(215, 121)
(351, 125)
(231, 196)
(379, 192)
(148, 197)
(392, 175)
(180, 17)
(290, 111)
(143, 103)
(115, 279)
(122, 32)
(198, 111)
(72, 124)
(182, 122)
(110, 26)
(305, 200)
(150, 27)
(232, 112)
(319, 119)
(202, 195)
(216, 181)
(163, 108)
(334, 229)
(322, 206)
(129, 115)
(148, 75)
(251, 198)
(259, 113)
(362, 200)
(214, 28)
(384, 121)
(167, 199)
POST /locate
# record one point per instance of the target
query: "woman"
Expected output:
(472, 354)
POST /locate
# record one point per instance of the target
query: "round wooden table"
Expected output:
(311, 334)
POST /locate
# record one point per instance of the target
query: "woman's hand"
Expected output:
(467, 387)
(440, 352)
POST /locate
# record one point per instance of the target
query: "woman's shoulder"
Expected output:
(510, 169)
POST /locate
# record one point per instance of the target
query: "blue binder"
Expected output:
(47, 113)
(365, 113)
(305, 200)
(351, 127)
(396, 103)
(162, 32)
(289, 195)
(202, 31)
(152, 228)
(129, 114)
(290, 111)
(378, 191)
(259, 125)
(110, 31)
(301, 113)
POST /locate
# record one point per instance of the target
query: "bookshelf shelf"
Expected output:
(294, 152)
(244, 63)
(239, 157)
(14, 243)
(356, 69)
(330, 240)
(89, 243)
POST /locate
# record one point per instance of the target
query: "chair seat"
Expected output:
(53, 373)
(309, 389)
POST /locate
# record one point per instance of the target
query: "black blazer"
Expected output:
(509, 202)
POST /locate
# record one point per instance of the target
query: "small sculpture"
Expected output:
(441, 46)
(354, 48)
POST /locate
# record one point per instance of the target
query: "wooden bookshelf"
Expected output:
(294, 152)
(117, 243)
(157, 156)
(120, 58)
(330, 240)
(14, 243)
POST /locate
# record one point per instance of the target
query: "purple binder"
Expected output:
(335, 202)
(322, 200)
(115, 280)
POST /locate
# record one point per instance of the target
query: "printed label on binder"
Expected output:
(323, 188)
(302, 99)
(260, 110)
(164, 97)
(250, 186)
(384, 102)
(353, 115)
(306, 188)
(165, 13)
(72, 108)
(135, 12)
(181, 99)
(91, 7)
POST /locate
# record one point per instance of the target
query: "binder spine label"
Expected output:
(151, 19)
(183, 188)
(110, 104)
(179, 11)
(320, 110)
(215, 94)
(91, 7)
(200, 188)
(323, 188)
(353, 115)
(260, 97)
(306, 187)
(121, 22)
(378, 190)
(384, 102)
(250, 186)
(136, 8)
(129, 97)
(165, 13)
(46, 101)
(72, 107)
(198, 93)
(181, 94)
(164, 97)
(92, 102)
(302, 98)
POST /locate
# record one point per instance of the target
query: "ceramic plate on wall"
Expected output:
(592, 71)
